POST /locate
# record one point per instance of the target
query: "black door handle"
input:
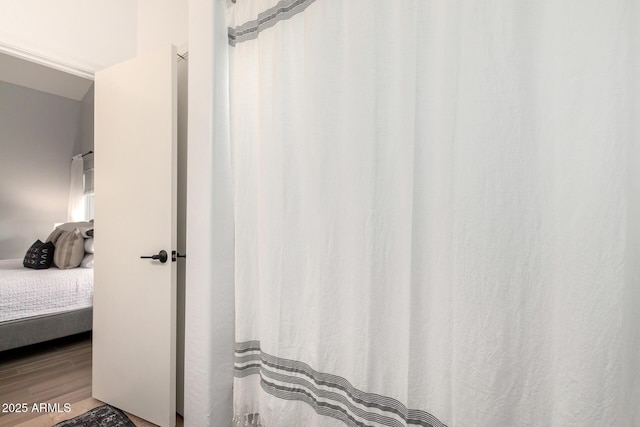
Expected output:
(162, 256)
(175, 255)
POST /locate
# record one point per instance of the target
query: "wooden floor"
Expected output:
(55, 372)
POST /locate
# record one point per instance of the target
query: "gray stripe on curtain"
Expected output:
(338, 399)
(250, 30)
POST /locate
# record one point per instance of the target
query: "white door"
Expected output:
(134, 313)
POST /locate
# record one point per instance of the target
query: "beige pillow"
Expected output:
(82, 226)
(55, 235)
(69, 250)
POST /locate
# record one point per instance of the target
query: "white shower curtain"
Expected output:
(437, 212)
(75, 211)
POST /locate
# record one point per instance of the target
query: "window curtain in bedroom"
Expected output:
(75, 211)
(437, 212)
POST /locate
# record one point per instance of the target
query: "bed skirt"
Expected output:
(18, 333)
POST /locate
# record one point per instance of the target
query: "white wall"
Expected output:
(86, 34)
(209, 298)
(161, 22)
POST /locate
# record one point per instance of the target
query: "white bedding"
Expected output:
(26, 293)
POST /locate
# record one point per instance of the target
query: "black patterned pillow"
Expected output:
(39, 256)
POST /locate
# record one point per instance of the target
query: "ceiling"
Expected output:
(39, 77)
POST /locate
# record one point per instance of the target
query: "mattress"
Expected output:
(27, 293)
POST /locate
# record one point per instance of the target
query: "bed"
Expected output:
(40, 305)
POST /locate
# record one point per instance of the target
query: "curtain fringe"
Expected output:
(247, 420)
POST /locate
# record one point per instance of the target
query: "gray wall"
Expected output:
(38, 135)
(85, 144)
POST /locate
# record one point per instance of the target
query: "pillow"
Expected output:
(69, 250)
(84, 227)
(87, 261)
(39, 256)
(88, 245)
(70, 226)
(54, 236)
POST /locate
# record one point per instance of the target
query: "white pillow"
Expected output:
(88, 245)
(87, 261)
